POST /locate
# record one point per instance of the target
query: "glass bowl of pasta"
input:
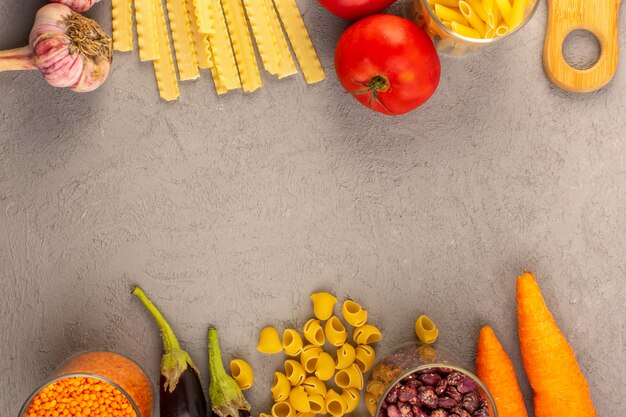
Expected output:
(459, 27)
(422, 380)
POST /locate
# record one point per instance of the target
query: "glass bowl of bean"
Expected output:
(93, 384)
(417, 380)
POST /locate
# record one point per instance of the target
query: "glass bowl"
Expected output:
(452, 43)
(112, 369)
(408, 359)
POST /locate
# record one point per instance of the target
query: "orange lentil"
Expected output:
(79, 397)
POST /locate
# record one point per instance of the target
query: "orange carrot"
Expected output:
(495, 369)
(559, 385)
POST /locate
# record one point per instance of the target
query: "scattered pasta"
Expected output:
(364, 357)
(314, 333)
(323, 304)
(354, 314)
(292, 342)
(281, 387)
(426, 330)
(325, 368)
(351, 396)
(317, 404)
(283, 409)
(376, 388)
(242, 373)
(370, 403)
(299, 399)
(314, 386)
(366, 334)
(309, 357)
(350, 377)
(295, 372)
(335, 332)
(335, 404)
(269, 342)
(346, 355)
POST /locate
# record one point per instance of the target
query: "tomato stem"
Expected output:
(377, 84)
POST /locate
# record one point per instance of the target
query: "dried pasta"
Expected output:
(366, 334)
(300, 40)
(147, 29)
(309, 357)
(269, 342)
(292, 342)
(346, 354)
(203, 15)
(351, 377)
(426, 330)
(314, 386)
(370, 403)
(223, 56)
(323, 304)
(242, 45)
(280, 387)
(286, 66)
(335, 404)
(200, 40)
(325, 367)
(242, 373)
(299, 400)
(122, 25)
(317, 405)
(314, 333)
(351, 396)
(472, 17)
(353, 313)
(283, 409)
(263, 32)
(164, 69)
(335, 332)
(295, 372)
(364, 357)
(183, 42)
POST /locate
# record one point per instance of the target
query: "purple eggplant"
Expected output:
(180, 391)
(226, 397)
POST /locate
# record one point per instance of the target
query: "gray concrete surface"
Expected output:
(231, 211)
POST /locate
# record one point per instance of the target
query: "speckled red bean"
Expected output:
(454, 378)
(407, 393)
(466, 385)
(481, 412)
(427, 397)
(392, 397)
(405, 409)
(418, 412)
(460, 412)
(430, 379)
(447, 403)
(454, 394)
(470, 401)
(439, 413)
(392, 411)
(441, 387)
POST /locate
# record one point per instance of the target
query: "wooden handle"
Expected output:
(598, 17)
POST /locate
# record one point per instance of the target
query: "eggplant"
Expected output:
(180, 390)
(226, 397)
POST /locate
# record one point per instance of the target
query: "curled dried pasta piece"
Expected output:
(314, 386)
(283, 409)
(281, 387)
(345, 356)
(506, 11)
(376, 388)
(353, 313)
(292, 342)
(335, 331)
(309, 357)
(351, 396)
(325, 368)
(299, 400)
(426, 330)
(351, 377)
(472, 17)
(366, 334)
(317, 404)
(365, 357)
(335, 404)
(265, 415)
(242, 373)
(314, 333)
(269, 342)
(323, 304)
(370, 403)
(309, 414)
(295, 372)
(122, 25)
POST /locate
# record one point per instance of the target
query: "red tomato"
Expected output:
(388, 63)
(355, 9)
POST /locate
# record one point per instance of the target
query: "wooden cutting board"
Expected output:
(598, 17)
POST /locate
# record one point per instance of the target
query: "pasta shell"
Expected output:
(345, 356)
(426, 330)
(366, 334)
(309, 357)
(314, 386)
(325, 368)
(353, 313)
(351, 396)
(283, 409)
(313, 332)
(265, 415)
(281, 387)
(269, 342)
(317, 404)
(336, 333)
(370, 403)
(309, 414)
(350, 377)
(365, 357)
(323, 304)
(292, 342)
(299, 400)
(242, 373)
(335, 404)
(376, 388)
(295, 372)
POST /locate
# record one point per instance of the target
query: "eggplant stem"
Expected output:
(170, 342)
(17, 59)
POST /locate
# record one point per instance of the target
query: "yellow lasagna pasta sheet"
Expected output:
(263, 34)
(164, 66)
(147, 36)
(223, 57)
(286, 66)
(200, 40)
(122, 23)
(183, 41)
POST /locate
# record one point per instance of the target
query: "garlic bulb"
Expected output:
(70, 50)
(77, 5)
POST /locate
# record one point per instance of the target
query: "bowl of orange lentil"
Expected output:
(93, 384)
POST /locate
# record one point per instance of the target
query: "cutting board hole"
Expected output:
(581, 49)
